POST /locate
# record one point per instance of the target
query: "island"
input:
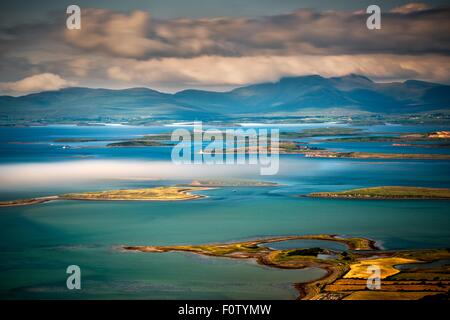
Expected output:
(288, 146)
(137, 143)
(80, 140)
(320, 132)
(423, 145)
(387, 192)
(168, 193)
(232, 183)
(373, 155)
(346, 270)
(284, 147)
(150, 140)
(405, 137)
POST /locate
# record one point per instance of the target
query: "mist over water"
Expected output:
(91, 171)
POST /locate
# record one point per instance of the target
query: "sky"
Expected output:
(171, 45)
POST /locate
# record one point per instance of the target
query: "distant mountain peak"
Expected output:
(308, 76)
(353, 76)
(288, 95)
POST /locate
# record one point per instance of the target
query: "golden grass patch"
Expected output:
(359, 270)
(382, 295)
(157, 193)
(390, 288)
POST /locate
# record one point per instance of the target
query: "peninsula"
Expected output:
(346, 271)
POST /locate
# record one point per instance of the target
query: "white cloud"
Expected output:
(120, 34)
(35, 83)
(232, 71)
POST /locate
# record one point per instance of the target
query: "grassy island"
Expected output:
(387, 192)
(147, 194)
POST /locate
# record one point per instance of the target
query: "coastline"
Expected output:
(387, 193)
(27, 202)
(161, 194)
(345, 276)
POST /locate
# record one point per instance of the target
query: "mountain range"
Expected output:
(288, 96)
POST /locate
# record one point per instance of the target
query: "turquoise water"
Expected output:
(292, 244)
(37, 243)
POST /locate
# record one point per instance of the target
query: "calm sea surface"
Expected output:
(37, 243)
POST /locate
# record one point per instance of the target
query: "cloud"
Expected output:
(36, 83)
(119, 34)
(232, 71)
(410, 29)
(79, 66)
(124, 49)
(411, 7)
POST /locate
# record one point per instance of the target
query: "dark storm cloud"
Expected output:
(302, 32)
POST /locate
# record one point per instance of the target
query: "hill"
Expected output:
(288, 96)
